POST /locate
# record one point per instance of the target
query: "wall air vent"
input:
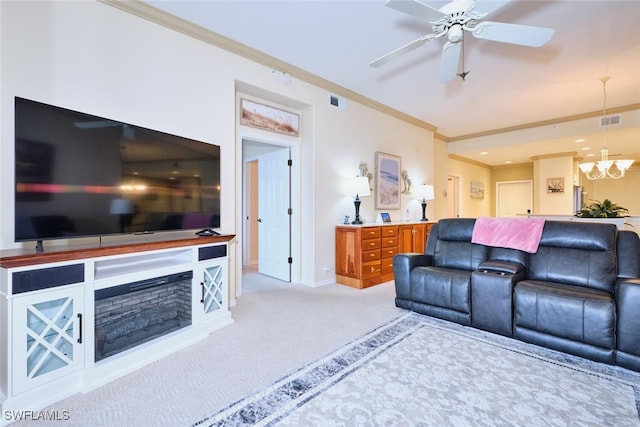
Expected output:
(610, 121)
(337, 101)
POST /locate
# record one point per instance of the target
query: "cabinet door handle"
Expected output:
(373, 269)
(202, 298)
(80, 328)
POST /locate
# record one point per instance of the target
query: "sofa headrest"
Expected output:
(579, 235)
(456, 229)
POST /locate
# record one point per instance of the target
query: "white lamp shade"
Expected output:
(358, 186)
(424, 192)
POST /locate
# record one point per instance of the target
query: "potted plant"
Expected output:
(604, 209)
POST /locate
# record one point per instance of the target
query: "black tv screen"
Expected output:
(79, 175)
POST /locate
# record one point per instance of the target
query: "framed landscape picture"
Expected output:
(269, 118)
(387, 181)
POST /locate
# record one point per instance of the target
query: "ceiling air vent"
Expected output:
(610, 121)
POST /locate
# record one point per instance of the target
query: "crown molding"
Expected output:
(554, 155)
(150, 13)
(469, 161)
(558, 120)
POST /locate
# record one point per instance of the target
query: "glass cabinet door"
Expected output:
(47, 336)
(213, 295)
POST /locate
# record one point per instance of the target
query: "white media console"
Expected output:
(72, 319)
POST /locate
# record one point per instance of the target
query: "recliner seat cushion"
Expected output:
(570, 312)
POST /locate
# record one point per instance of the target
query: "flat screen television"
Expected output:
(79, 175)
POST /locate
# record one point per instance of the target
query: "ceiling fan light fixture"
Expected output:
(455, 33)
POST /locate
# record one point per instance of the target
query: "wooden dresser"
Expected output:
(364, 253)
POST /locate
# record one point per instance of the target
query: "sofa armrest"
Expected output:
(402, 266)
(504, 267)
(628, 315)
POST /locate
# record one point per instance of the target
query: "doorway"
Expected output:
(453, 196)
(514, 198)
(267, 209)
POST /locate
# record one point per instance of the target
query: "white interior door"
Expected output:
(274, 219)
(453, 196)
(514, 198)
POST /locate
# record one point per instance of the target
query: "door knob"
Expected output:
(259, 219)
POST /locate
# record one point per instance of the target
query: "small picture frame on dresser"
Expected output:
(385, 217)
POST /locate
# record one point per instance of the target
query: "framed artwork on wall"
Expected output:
(387, 181)
(269, 118)
(555, 185)
(477, 190)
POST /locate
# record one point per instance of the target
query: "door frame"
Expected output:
(453, 196)
(241, 185)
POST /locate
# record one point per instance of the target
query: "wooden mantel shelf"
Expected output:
(11, 258)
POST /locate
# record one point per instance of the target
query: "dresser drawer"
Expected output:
(370, 269)
(370, 233)
(388, 242)
(388, 252)
(389, 231)
(370, 244)
(373, 255)
(386, 265)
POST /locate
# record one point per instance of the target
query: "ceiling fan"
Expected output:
(453, 20)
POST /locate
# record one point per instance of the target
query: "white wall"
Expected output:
(623, 192)
(468, 172)
(91, 57)
(544, 202)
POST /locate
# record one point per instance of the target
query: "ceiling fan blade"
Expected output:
(449, 61)
(524, 35)
(401, 50)
(416, 9)
(485, 7)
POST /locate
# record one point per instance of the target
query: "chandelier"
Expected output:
(605, 168)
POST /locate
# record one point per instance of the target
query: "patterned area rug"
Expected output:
(420, 371)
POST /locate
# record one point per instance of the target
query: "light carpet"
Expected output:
(419, 371)
(278, 328)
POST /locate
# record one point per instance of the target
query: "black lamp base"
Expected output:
(356, 203)
(424, 208)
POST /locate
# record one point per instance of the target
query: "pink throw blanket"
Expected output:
(514, 233)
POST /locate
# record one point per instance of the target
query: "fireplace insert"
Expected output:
(134, 313)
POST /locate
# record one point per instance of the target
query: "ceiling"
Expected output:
(508, 85)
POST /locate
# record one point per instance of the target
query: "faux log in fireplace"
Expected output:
(134, 313)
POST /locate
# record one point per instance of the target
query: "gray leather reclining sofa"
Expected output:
(579, 293)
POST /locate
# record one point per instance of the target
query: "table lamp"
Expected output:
(424, 193)
(358, 186)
